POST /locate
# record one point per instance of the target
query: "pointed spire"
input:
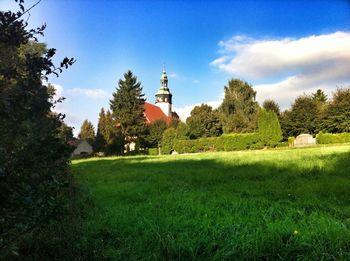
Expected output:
(164, 68)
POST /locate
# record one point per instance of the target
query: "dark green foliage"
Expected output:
(269, 128)
(226, 142)
(171, 135)
(329, 138)
(271, 105)
(319, 96)
(204, 122)
(239, 108)
(87, 132)
(65, 132)
(100, 142)
(182, 131)
(337, 114)
(34, 155)
(156, 130)
(168, 139)
(289, 204)
(304, 117)
(127, 107)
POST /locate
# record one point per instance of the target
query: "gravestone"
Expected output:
(304, 140)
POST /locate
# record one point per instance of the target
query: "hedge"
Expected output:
(226, 142)
(328, 138)
(152, 151)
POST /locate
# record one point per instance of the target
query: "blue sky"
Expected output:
(283, 48)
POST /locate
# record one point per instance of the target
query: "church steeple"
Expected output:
(164, 96)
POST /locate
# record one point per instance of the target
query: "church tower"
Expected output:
(163, 96)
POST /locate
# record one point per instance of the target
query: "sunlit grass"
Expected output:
(270, 204)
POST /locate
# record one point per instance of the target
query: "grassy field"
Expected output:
(273, 204)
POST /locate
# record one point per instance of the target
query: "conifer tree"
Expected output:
(100, 141)
(239, 108)
(127, 107)
(87, 131)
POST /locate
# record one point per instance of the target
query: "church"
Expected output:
(162, 109)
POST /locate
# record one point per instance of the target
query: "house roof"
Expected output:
(154, 113)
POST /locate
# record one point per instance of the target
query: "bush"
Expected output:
(291, 141)
(152, 151)
(229, 142)
(328, 138)
(269, 128)
(168, 140)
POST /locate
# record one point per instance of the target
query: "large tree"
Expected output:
(155, 133)
(337, 114)
(239, 108)
(127, 107)
(303, 117)
(271, 105)
(100, 142)
(204, 122)
(34, 159)
(87, 131)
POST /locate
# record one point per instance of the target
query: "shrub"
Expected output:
(291, 141)
(228, 142)
(269, 128)
(152, 151)
(328, 138)
(168, 140)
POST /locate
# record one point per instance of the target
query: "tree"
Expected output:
(204, 122)
(168, 140)
(156, 130)
(271, 105)
(319, 96)
(34, 162)
(239, 108)
(336, 118)
(269, 128)
(65, 132)
(304, 117)
(182, 131)
(100, 142)
(127, 107)
(87, 131)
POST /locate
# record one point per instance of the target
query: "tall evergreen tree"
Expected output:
(100, 142)
(87, 131)
(127, 107)
(239, 108)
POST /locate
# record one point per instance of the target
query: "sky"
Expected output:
(282, 48)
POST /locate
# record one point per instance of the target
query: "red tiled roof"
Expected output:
(153, 113)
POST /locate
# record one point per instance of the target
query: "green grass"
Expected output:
(283, 204)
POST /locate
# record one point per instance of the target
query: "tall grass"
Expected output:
(273, 204)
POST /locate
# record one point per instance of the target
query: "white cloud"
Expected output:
(185, 111)
(300, 65)
(195, 81)
(90, 93)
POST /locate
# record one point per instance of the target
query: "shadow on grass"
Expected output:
(206, 208)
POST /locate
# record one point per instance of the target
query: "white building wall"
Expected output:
(165, 107)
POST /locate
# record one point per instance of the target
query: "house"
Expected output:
(82, 148)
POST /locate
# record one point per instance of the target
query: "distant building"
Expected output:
(162, 109)
(82, 148)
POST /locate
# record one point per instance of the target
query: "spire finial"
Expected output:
(163, 67)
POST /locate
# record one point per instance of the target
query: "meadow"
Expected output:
(282, 204)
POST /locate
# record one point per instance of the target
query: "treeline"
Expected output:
(239, 112)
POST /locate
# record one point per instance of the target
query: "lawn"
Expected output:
(272, 204)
